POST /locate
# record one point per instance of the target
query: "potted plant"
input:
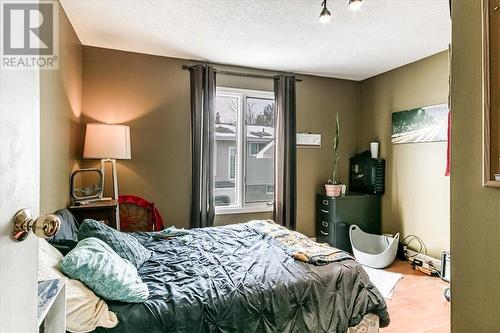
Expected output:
(333, 188)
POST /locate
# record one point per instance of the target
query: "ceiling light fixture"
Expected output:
(325, 15)
(355, 4)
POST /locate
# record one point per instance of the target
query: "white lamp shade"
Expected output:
(107, 141)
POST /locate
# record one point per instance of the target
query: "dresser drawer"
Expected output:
(325, 207)
(323, 228)
(324, 210)
(336, 234)
(325, 204)
(325, 232)
(335, 215)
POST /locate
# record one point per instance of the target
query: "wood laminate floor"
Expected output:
(418, 304)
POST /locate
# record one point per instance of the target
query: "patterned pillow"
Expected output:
(124, 245)
(84, 310)
(95, 264)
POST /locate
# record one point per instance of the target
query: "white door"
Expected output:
(19, 188)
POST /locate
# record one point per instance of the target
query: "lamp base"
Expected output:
(113, 173)
(115, 184)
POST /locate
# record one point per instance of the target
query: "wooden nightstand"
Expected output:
(104, 211)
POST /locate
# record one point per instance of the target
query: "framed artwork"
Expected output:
(491, 93)
(424, 124)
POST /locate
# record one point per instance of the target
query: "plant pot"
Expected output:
(333, 190)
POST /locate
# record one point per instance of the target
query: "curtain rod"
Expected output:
(259, 76)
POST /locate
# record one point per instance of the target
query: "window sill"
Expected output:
(243, 210)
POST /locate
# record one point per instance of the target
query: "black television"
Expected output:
(366, 174)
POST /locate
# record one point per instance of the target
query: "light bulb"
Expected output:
(325, 15)
(355, 4)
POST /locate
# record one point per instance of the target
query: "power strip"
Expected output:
(428, 261)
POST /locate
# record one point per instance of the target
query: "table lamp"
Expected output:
(107, 142)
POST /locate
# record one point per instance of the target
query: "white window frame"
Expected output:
(215, 159)
(233, 94)
(241, 151)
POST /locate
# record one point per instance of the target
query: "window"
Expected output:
(232, 163)
(244, 156)
(256, 147)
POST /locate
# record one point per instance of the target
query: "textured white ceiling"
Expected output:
(270, 34)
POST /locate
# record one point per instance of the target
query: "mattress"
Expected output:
(236, 279)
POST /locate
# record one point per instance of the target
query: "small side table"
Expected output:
(52, 306)
(104, 211)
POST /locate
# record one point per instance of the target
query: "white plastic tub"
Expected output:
(373, 250)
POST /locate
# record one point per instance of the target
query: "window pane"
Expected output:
(259, 186)
(227, 108)
(232, 163)
(254, 148)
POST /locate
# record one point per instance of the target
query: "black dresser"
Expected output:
(334, 216)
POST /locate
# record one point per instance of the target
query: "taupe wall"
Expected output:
(151, 94)
(417, 192)
(60, 108)
(475, 210)
(318, 101)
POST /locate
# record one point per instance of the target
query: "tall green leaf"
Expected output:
(336, 144)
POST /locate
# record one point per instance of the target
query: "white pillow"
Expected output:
(84, 310)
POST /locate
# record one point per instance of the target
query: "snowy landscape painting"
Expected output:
(425, 124)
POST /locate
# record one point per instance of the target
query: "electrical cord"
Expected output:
(419, 240)
(408, 240)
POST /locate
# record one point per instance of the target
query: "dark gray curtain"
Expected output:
(285, 170)
(202, 135)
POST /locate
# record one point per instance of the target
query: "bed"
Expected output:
(236, 279)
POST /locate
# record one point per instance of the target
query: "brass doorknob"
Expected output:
(43, 227)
